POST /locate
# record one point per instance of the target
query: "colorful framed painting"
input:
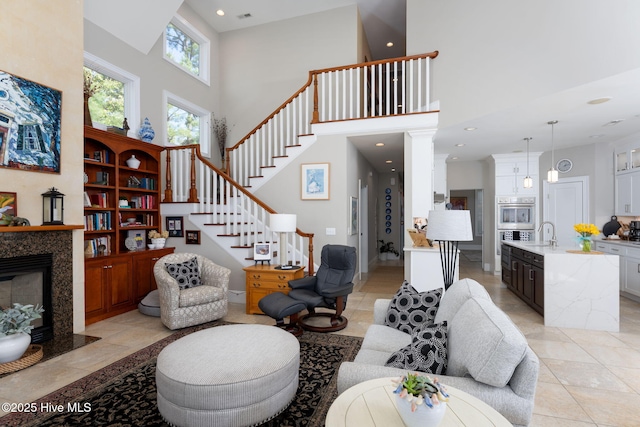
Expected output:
(30, 117)
(8, 207)
(314, 181)
(174, 226)
(459, 203)
(192, 237)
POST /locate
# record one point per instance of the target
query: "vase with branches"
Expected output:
(220, 131)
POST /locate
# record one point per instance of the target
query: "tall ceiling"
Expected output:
(579, 123)
(383, 20)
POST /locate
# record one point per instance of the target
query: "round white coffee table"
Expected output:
(373, 403)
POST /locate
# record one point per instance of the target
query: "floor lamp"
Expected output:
(283, 224)
(449, 228)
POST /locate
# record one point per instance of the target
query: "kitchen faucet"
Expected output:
(554, 240)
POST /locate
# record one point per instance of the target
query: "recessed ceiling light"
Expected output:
(459, 145)
(393, 169)
(600, 135)
(599, 100)
(454, 158)
(470, 128)
(380, 144)
(613, 122)
(220, 12)
(389, 44)
(389, 161)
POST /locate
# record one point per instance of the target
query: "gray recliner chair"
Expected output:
(329, 288)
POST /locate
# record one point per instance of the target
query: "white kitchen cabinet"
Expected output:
(627, 193)
(511, 171)
(631, 267)
(627, 157)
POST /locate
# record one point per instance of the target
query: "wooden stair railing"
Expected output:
(214, 190)
(388, 87)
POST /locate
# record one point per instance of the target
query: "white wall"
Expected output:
(490, 50)
(156, 74)
(262, 66)
(43, 43)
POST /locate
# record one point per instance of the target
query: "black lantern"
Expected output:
(52, 207)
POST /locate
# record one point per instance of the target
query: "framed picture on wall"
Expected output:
(353, 223)
(8, 207)
(459, 203)
(192, 237)
(30, 117)
(174, 226)
(314, 181)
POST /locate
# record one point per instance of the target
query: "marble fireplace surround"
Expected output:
(59, 244)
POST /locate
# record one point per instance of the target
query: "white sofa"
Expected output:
(488, 357)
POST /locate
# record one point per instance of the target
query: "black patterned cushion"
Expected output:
(186, 273)
(426, 353)
(409, 309)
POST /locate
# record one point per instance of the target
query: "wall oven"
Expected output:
(516, 213)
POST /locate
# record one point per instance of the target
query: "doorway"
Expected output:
(565, 203)
(471, 200)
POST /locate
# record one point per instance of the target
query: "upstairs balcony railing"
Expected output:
(388, 87)
(231, 208)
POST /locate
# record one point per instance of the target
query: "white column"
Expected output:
(418, 184)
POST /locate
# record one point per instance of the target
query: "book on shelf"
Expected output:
(98, 246)
(99, 200)
(99, 221)
(143, 202)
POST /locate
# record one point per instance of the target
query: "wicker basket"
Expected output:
(30, 357)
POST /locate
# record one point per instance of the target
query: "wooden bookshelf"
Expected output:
(117, 277)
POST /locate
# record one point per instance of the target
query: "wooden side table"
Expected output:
(263, 280)
(373, 403)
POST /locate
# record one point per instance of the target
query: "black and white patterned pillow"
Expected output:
(426, 353)
(186, 273)
(409, 309)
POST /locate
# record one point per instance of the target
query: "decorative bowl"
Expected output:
(151, 246)
(131, 220)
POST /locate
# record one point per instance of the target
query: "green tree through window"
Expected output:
(107, 103)
(182, 49)
(183, 127)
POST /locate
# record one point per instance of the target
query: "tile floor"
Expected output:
(587, 378)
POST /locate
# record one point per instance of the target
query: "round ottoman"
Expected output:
(232, 375)
(150, 305)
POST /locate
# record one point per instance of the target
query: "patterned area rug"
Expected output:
(124, 393)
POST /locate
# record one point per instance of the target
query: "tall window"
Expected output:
(116, 93)
(187, 48)
(186, 123)
(107, 103)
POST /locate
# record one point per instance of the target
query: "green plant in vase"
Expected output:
(15, 330)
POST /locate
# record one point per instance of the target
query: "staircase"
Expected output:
(222, 204)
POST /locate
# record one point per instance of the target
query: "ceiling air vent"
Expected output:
(244, 16)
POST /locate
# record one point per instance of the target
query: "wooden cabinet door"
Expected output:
(144, 279)
(527, 282)
(120, 271)
(538, 289)
(95, 288)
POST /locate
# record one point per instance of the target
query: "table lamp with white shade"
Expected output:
(283, 224)
(448, 228)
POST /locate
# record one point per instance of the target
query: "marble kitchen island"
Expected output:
(580, 290)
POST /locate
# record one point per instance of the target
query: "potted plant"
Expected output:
(158, 240)
(15, 330)
(387, 251)
(421, 400)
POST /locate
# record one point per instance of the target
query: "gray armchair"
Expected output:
(329, 288)
(180, 308)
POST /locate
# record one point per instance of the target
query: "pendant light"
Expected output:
(552, 175)
(528, 181)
